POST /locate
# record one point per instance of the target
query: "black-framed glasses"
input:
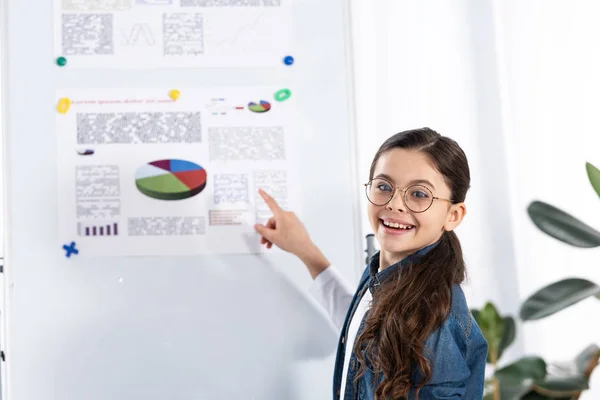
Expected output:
(417, 198)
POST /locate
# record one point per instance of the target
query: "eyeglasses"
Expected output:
(417, 198)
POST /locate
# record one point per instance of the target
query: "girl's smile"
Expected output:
(394, 226)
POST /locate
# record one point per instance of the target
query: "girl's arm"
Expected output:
(457, 352)
(287, 232)
(334, 293)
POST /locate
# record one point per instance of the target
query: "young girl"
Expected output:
(406, 333)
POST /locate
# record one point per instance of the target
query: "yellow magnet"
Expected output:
(63, 105)
(175, 94)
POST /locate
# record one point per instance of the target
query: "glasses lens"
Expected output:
(418, 198)
(379, 191)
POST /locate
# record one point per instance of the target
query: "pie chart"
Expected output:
(170, 179)
(260, 107)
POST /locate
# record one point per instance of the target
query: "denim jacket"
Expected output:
(458, 350)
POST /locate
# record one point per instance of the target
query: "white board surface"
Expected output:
(171, 326)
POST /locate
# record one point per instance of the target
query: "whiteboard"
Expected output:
(210, 326)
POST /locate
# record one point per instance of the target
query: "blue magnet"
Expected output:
(288, 60)
(70, 249)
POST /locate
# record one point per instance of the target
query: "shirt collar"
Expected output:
(377, 278)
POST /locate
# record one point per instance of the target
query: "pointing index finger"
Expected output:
(270, 202)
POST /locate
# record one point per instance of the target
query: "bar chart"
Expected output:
(96, 229)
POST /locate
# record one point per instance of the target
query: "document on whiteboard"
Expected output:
(172, 33)
(142, 174)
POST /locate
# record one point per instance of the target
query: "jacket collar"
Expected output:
(376, 278)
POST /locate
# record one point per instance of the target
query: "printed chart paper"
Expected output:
(172, 33)
(142, 174)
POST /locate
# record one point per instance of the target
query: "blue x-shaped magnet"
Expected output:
(70, 249)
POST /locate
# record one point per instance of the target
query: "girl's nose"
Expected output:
(397, 202)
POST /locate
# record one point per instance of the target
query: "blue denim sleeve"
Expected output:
(457, 353)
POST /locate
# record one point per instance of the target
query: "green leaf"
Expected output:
(492, 326)
(594, 176)
(514, 392)
(536, 396)
(517, 378)
(561, 387)
(556, 297)
(555, 386)
(568, 379)
(510, 331)
(490, 317)
(585, 361)
(529, 367)
(562, 226)
(512, 386)
(497, 330)
(562, 381)
(580, 367)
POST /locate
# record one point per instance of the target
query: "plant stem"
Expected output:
(496, 389)
(494, 359)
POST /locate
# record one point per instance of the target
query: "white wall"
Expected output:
(553, 89)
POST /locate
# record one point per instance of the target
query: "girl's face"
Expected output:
(402, 168)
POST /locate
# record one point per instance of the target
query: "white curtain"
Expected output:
(517, 84)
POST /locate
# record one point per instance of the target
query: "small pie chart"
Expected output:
(170, 179)
(260, 107)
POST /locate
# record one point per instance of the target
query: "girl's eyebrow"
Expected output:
(423, 181)
(413, 182)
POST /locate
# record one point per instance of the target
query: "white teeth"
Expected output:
(396, 225)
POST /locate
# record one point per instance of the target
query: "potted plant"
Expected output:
(531, 377)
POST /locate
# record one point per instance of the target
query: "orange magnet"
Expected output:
(63, 105)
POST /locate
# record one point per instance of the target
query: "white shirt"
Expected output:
(335, 294)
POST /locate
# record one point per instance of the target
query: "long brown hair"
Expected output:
(407, 308)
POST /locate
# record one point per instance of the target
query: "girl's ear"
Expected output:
(456, 214)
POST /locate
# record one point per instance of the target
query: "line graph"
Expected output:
(140, 32)
(246, 29)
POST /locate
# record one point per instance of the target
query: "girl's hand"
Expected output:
(284, 229)
(288, 233)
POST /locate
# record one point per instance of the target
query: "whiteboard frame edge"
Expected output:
(4, 114)
(353, 137)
